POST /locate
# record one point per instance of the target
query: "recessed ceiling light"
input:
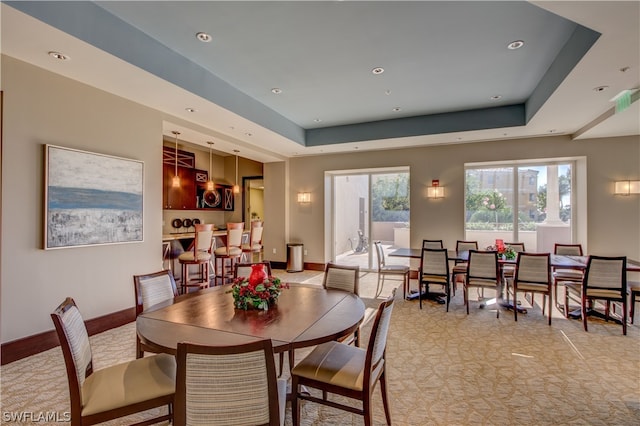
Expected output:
(396, 109)
(276, 91)
(377, 70)
(552, 130)
(247, 134)
(515, 45)
(204, 37)
(387, 92)
(625, 69)
(317, 120)
(600, 88)
(495, 97)
(190, 109)
(59, 55)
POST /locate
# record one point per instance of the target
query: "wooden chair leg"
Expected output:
(385, 398)
(550, 304)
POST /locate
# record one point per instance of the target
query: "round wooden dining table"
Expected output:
(304, 315)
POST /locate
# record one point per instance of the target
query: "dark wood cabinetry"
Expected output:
(192, 193)
(182, 197)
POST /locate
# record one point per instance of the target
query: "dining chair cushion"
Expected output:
(145, 379)
(460, 268)
(434, 278)
(394, 269)
(481, 282)
(336, 364)
(524, 286)
(255, 246)
(568, 274)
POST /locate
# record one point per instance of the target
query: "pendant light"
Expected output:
(176, 179)
(210, 185)
(236, 188)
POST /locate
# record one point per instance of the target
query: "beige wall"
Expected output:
(613, 225)
(41, 107)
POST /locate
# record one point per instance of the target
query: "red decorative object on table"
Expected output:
(259, 291)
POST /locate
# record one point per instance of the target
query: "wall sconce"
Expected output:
(304, 197)
(627, 187)
(435, 190)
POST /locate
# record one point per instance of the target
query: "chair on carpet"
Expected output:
(565, 274)
(604, 279)
(460, 267)
(346, 370)
(532, 275)
(434, 269)
(385, 271)
(345, 278)
(152, 289)
(432, 244)
(200, 255)
(115, 391)
(482, 272)
(228, 385)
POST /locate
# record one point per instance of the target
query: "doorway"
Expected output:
(252, 199)
(366, 206)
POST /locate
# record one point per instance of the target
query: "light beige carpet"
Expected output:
(443, 368)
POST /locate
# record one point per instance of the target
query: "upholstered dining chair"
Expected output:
(346, 370)
(432, 244)
(231, 251)
(254, 245)
(508, 271)
(151, 289)
(227, 385)
(434, 269)
(200, 255)
(385, 271)
(244, 269)
(482, 272)
(605, 278)
(532, 275)
(345, 278)
(115, 391)
(460, 268)
(565, 274)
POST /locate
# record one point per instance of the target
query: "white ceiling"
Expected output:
(321, 54)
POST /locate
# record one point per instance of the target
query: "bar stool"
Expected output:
(200, 255)
(232, 251)
(255, 242)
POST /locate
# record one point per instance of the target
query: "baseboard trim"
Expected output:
(31, 345)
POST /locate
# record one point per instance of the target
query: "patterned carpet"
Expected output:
(443, 368)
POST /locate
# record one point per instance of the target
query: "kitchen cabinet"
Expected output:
(183, 197)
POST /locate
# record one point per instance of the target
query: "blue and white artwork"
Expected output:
(91, 199)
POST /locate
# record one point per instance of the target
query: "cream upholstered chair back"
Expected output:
(533, 268)
(203, 239)
(232, 385)
(466, 245)
(482, 265)
(234, 236)
(434, 262)
(154, 288)
(67, 319)
(342, 277)
(432, 244)
(378, 337)
(255, 237)
(517, 247)
(606, 276)
(568, 249)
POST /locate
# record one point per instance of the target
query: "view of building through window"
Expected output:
(522, 203)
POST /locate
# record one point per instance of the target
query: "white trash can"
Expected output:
(295, 259)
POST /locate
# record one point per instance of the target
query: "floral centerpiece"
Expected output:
(504, 251)
(259, 291)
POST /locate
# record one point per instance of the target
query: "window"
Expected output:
(529, 203)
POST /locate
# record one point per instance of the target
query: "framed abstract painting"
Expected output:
(91, 199)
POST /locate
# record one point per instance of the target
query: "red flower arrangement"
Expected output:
(259, 291)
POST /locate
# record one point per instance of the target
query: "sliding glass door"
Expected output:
(368, 206)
